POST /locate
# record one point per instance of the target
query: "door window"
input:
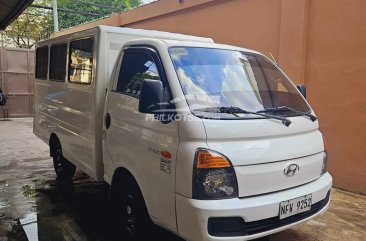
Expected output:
(135, 68)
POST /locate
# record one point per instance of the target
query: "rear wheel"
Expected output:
(64, 169)
(129, 209)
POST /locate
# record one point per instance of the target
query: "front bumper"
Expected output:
(193, 215)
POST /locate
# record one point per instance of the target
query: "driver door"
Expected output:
(139, 142)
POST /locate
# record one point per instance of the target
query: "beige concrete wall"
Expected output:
(335, 75)
(321, 43)
(230, 22)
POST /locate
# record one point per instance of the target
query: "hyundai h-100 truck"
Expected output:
(209, 141)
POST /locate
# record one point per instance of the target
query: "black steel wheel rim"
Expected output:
(58, 161)
(129, 216)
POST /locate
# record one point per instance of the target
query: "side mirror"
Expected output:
(302, 90)
(151, 96)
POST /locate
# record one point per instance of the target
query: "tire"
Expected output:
(129, 210)
(64, 169)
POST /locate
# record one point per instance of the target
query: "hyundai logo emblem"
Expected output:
(291, 170)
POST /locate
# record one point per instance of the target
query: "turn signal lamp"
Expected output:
(209, 159)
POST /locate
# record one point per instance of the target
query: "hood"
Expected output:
(255, 141)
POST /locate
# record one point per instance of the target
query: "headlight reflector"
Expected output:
(213, 176)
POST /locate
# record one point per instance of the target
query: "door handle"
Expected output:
(107, 120)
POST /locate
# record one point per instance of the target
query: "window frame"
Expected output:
(120, 68)
(149, 50)
(69, 60)
(66, 62)
(154, 54)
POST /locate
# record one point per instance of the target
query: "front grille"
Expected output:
(275, 222)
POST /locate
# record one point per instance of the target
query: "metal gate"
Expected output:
(16, 81)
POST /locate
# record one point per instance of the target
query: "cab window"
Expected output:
(135, 68)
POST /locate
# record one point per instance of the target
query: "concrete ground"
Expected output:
(33, 205)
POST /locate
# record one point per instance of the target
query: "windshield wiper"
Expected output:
(285, 108)
(236, 110)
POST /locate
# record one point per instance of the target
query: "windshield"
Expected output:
(228, 78)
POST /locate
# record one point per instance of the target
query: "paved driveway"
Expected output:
(34, 205)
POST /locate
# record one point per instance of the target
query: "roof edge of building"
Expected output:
(14, 13)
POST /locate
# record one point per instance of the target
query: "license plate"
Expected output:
(295, 206)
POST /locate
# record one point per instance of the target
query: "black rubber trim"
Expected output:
(226, 227)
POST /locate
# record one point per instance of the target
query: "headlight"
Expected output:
(213, 176)
(325, 163)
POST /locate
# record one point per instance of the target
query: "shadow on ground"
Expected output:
(74, 210)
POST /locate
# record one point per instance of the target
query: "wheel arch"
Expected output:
(121, 172)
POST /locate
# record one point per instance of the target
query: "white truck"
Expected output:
(209, 141)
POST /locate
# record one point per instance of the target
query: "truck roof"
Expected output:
(154, 34)
(131, 31)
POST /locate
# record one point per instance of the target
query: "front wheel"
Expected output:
(129, 209)
(64, 169)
